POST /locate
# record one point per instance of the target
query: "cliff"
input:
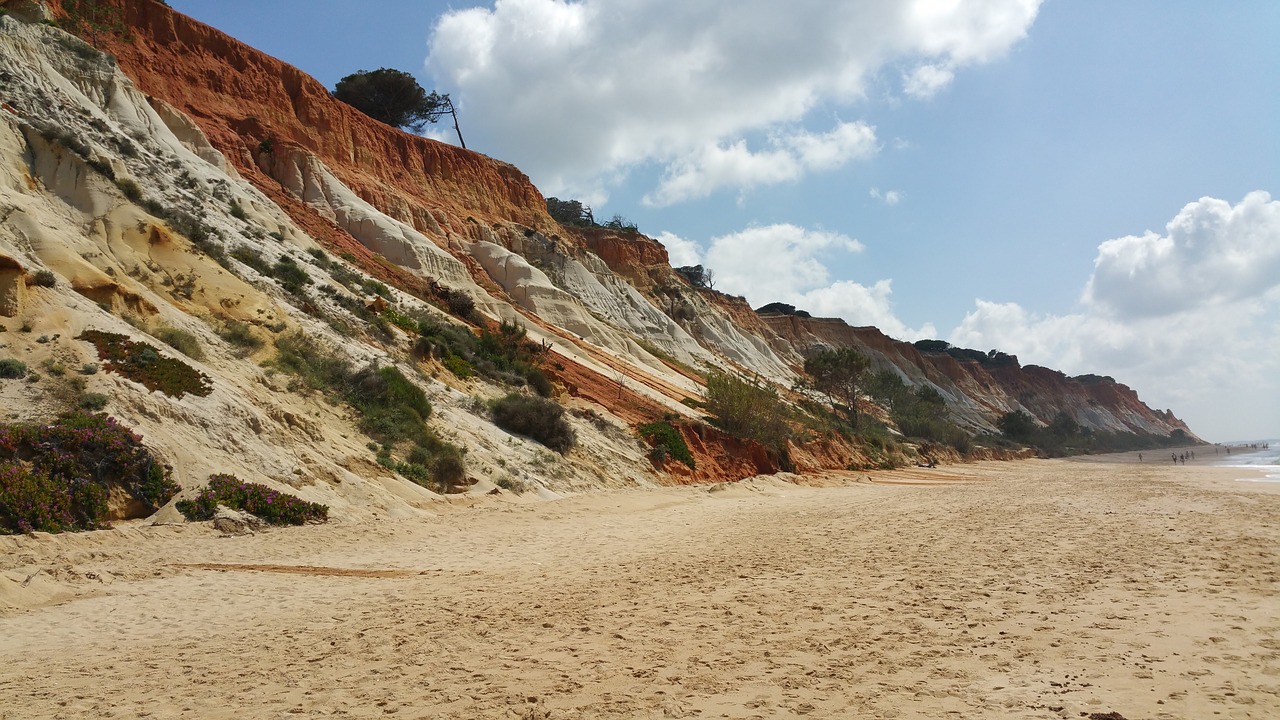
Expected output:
(193, 194)
(978, 392)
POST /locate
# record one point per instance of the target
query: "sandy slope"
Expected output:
(1035, 589)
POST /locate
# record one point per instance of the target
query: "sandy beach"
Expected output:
(1031, 589)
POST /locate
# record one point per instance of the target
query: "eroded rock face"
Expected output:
(13, 286)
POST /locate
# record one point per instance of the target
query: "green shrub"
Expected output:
(272, 506)
(57, 477)
(194, 229)
(238, 333)
(141, 363)
(449, 468)
(750, 410)
(130, 189)
(459, 367)
(373, 287)
(253, 258)
(291, 277)
(93, 401)
(316, 364)
(400, 320)
(392, 408)
(44, 278)
(667, 441)
(537, 418)
(438, 468)
(458, 302)
(506, 356)
(238, 212)
(181, 340)
(13, 369)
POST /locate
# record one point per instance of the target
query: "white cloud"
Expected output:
(860, 305)
(766, 263)
(1212, 252)
(680, 252)
(889, 197)
(579, 94)
(708, 169)
(1190, 319)
(926, 80)
(785, 263)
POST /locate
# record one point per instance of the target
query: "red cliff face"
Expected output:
(241, 98)
(631, 255)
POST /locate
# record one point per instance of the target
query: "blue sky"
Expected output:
(1085, 184)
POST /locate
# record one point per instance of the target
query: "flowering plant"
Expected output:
(273, 506)
(141, 363)
(57, 477)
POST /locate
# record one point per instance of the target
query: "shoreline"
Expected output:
(998, 589)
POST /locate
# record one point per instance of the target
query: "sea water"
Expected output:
(1266, 460)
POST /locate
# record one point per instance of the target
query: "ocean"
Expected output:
(1264, 459)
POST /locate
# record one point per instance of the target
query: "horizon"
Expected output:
(1088, 187)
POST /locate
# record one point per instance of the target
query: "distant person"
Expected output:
(1139, 457)
(1175, 458)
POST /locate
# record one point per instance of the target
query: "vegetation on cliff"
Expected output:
(141, 363)
(61, 476)
(393, 97)
(274, 507)
(1064, 436)
(537, 418)
(392, 409)
(667, 442)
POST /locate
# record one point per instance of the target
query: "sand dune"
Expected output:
(1035, 589)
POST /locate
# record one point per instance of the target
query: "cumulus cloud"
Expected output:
(708, 169)
(1212, 252)
(579, 94)
(860, 305)
(925, 81)
(680, 252)
(786, 263)
(1190, 318)
(768, 262)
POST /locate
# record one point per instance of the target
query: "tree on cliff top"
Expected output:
(395, 98)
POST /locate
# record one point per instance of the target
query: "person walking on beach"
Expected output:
(1175, 458)
(1139, 457)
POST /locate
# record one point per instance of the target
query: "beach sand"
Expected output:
(1031, 589)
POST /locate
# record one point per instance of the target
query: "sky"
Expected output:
(1093, 186)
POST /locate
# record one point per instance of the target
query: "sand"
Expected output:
(1031, 589)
